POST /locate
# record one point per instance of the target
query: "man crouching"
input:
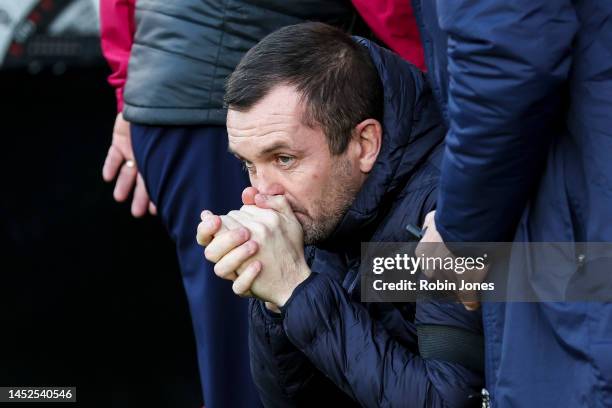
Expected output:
(342, 141)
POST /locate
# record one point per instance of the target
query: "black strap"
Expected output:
(451, 344)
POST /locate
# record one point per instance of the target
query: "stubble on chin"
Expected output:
(331, 208)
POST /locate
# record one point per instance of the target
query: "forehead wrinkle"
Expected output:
(264, 126)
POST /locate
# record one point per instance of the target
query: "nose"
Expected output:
(265, 183)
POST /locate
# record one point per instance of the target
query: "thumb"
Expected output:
(248, 195)
(471, 306)
(275, 202)
(429, 219)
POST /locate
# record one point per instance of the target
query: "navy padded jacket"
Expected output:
(328, 348)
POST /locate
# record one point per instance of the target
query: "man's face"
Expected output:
(284, 156)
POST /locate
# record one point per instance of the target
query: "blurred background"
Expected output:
(89, 296)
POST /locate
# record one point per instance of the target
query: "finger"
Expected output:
(430, 234)
(241, 214)
(471, 299)
(272, 307)
(421, 248)
(255, 224)
(228, 265)
(121, 127)
(275, 202)
(140, 202)
(471, 306)
(230, 223)
(152, 208)
(427, 249)
(207, 213)
(243, 284)
(224, 242)
(248, 195)
(112, 163)
(207, 229)
(252, 213)
(125, 182)
(429, 219)
(428, 272)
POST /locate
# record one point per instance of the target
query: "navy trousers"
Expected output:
(188, 169)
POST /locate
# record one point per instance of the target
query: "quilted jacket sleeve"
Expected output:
(507, 64)
(282, 373)
(342, 341)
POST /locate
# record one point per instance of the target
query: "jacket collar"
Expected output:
(409, 115)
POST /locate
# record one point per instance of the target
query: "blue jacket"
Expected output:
(526, 89)
(328, 348)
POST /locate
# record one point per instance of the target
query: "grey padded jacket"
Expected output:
(184, 50)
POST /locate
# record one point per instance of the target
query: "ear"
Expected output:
(368, 137)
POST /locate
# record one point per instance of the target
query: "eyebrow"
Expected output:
(265, 152)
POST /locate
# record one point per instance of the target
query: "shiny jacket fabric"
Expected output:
(329, 349)
(180, 52)
(526, 89)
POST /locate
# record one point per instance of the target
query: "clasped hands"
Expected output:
(259, 247)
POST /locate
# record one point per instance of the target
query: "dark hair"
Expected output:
(334, 75)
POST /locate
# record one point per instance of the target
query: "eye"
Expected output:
(285, 161)
(248, 166)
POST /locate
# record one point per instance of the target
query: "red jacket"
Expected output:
(394, 23)
(117, 34)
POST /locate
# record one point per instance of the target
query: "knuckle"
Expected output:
(201, 235)
(259, 230)
(274, 220)
(266, 231)
(238, 235)
(205, 228)
(217, 270)
(209, 254)
(220, 270)
(244, 249)
(237, 288)
(240, 269)
(249, 247)
(128, 170)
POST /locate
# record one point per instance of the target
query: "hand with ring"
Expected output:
(120, 164)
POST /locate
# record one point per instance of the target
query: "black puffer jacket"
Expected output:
(185, 49)
(330, 349)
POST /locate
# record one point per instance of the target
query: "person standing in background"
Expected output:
(526, 89)
(394, 23)
(170, 144)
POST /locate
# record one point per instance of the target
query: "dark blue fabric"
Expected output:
(329, 346)
(529, 105)
(186, 170)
